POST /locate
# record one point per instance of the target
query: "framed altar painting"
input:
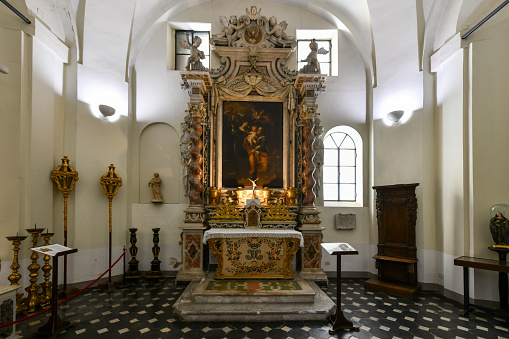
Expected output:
(251, 147)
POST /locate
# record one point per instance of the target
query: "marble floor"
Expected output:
(144, 310)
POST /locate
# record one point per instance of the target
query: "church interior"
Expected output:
(279, 146)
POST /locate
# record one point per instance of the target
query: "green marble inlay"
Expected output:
(253, 285)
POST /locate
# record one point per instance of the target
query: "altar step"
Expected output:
(244, 301)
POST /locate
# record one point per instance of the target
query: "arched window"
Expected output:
(342, 167)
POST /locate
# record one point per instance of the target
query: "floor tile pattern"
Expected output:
(145, 311)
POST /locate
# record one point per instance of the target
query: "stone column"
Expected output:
(197, 85)
(311, 254)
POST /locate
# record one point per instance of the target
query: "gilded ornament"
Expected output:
(226, 211)
(277, 211)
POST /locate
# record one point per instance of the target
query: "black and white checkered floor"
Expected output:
(145, 311)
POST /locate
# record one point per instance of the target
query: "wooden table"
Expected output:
(483, 264)
(339, 322)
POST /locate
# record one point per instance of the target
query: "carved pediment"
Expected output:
(253, 30)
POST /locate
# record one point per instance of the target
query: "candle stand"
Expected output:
(14, 277)
(32, 299)
(155, 267)
(45, 297)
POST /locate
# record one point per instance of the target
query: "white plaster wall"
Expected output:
(157, 155)
(490, 74)
(99, 143)
(10, 138)
(357, 237)
(452, 200)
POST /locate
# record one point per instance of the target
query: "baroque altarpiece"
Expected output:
(249, 150)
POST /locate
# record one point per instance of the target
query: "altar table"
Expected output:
(253, 253)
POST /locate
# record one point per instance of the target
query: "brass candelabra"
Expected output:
(14, 277)
(45, 297)
(65, 177)
(111, 182)
(32, 299)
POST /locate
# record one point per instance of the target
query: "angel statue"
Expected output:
(313, 66)
(278, 32)
(229, 29)
(254, 13)
(193, 62)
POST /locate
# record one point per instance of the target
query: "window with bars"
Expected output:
(182, 54)
(341, 167)
(324, 59)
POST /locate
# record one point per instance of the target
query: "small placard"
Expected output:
(346, 221)
(336, 248)
(51, 250)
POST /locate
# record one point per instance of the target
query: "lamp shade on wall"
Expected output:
(106, 110)
(395, 115)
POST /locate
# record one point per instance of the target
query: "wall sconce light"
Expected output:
(394, 116)
(106, 111)
(4, 69)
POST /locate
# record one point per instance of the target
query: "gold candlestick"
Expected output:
(32, 300)
(65, 177)
(45, 297)
(111, 182)
(15, 276)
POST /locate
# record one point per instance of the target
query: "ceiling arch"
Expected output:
(352, 18)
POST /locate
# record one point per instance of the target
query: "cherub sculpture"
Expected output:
(229, 29)
(193, 62)
(313, 66)
(254, 13)
(278, 31)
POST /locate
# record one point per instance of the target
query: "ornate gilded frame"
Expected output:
(241, 89)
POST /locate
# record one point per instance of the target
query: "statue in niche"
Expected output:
(313, 66)
(277, 31)
(156, 183)
(499, 228)
(194, 60)
(230, 29)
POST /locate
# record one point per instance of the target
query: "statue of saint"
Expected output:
(156, 183)
(499, 227)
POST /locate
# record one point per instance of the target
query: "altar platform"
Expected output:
(253, 300)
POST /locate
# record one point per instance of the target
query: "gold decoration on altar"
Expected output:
(214, 196)
(277, 211)
(197, 110)
(291, 196)
(254, 257)
(242, 85)
(227, 211)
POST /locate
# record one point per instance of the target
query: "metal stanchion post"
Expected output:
(124, 283)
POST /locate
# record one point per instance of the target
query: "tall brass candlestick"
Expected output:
(32, 300)
(65, 177)
(45, 297)
(111, 183)
(15, 276)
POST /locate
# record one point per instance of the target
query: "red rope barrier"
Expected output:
(63, 301)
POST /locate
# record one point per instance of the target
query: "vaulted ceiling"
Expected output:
(391, 37)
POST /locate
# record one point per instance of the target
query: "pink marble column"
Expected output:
(195, 166)
(308, 167)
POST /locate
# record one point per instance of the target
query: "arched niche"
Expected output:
(159, 147)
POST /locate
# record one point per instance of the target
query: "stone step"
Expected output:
(211, 291)
(187, 309)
